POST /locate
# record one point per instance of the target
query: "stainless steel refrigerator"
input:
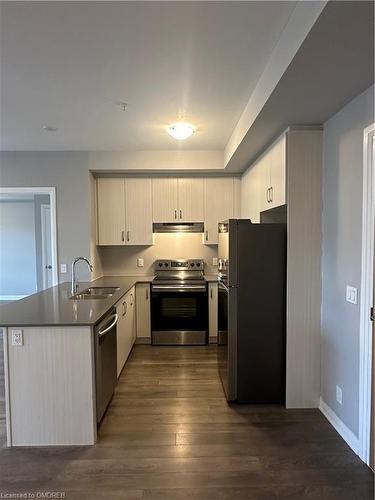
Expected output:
(252, 311)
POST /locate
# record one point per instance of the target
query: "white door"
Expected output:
(218, 205)
(191, 199)
(47, 269)
(164, 199)
(111, 211)
(138, 210)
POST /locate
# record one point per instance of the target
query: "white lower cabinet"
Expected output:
(212, 311)
(126, 328)
(143, 312)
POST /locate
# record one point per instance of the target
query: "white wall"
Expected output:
(342, 227)
(17, 248)
(123, 260)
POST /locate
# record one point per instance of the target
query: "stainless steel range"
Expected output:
(179, 303)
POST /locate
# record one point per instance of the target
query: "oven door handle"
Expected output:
(103, 332)
(177, 288)
(223, 285)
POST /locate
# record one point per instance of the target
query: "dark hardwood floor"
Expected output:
(170, 435)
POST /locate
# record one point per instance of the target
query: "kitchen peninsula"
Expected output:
(49, 347)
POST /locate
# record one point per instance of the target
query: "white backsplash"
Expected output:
(122, 260)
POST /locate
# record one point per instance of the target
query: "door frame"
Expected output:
(43, 208)
(51, 191)
(366, 297)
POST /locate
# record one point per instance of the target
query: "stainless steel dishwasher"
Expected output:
(105, 362)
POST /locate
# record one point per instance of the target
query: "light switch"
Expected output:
(351, 294)
(17, 338)
(140, 263)
(63, 268)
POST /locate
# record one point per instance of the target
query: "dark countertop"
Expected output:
(210, 278)
(53, 307)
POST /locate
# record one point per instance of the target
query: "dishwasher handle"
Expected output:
(101, 333)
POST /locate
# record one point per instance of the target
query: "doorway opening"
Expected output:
(366, 385)
(28, 250)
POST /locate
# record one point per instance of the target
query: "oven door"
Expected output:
(179, 316)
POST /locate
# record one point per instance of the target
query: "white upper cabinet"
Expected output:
(124, 211)
(218, 205)
(138, 211)
(165, 199)
(278, 173)
(191, 199)
(111, 211)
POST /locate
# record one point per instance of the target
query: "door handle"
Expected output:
(109, 327)
(48, 267)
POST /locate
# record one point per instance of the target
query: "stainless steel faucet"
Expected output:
(74, 276)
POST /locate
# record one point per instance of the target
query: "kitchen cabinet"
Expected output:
(212, 311)
(126, 328)
(164, 199)
(278, 173)
(111, 211)
(143, 312)
(178, 199)
(124, 211)
(138, 211)
(218, 205)
(191, 199)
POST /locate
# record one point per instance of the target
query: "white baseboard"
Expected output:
(339, 425)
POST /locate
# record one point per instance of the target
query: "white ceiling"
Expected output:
(66, 64)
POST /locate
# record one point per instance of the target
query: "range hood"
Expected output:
(178, 227)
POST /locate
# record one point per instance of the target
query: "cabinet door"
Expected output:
(138, 211)
(143, 310)
(111, 211)
(218, 205)
(191, 199)
(122, 338)
(164, 200)
(278, 171)
(132, 317)
(212, 310)
(264, 181)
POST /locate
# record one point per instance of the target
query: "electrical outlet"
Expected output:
(214, 261)
(17, 338)
(339, 394)
(351, 294)
(140, 262)
(63, 268)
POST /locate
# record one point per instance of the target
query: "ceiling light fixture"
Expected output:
(181, 130)
(49, 128)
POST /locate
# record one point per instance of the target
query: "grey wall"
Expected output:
(342, 228)
(17, 248)
(68, 172)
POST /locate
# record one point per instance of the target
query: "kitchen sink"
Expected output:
(95, 292)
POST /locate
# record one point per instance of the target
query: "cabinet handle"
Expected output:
(146, 293)
(206, 235)
(127, 235)
(211, 292)
(124, 308)
(180, 213)
(122, 235)
(131, 299)
(271, 193)
(175, 214)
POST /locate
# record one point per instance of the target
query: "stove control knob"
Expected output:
(166, 264)
(160, 264)
(198, 264)
(192, 264)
